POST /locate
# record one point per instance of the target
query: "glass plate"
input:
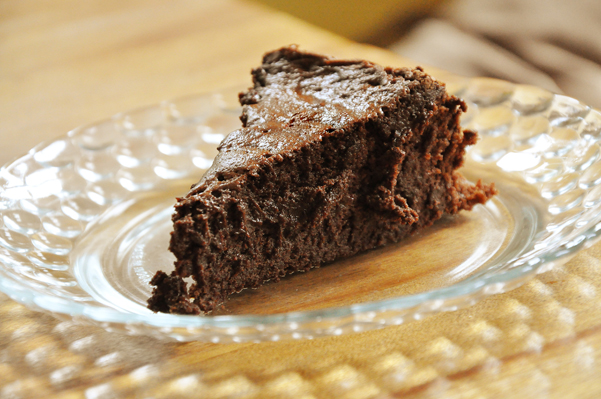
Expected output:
(85, 221)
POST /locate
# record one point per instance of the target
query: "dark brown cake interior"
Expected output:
(334, 158)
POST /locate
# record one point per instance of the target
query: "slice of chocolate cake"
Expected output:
(334, 158)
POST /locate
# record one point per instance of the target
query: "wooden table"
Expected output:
(66, 63)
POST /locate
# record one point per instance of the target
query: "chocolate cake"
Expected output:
(334, 157)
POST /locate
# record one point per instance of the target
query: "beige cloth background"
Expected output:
(554, 44)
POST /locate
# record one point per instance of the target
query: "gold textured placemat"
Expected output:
(540, 340)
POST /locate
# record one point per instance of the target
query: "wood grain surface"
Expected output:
(65, 63)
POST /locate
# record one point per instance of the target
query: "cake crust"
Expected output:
(334, 157)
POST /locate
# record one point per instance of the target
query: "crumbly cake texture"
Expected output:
(335, 157)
